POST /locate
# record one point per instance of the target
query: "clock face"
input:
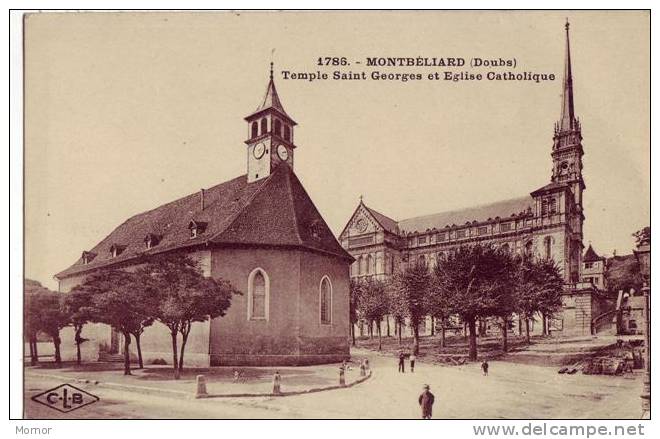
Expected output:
(259, 151)
(282, 152)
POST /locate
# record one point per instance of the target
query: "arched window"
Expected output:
(264, 126)
(421, 260)
(287, 132)
(255, 129)
(278, 127)
(370, 264)
(325, 301)
(258, 295)
(528, 248)
(547, 246)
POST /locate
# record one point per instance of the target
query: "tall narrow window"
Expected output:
(287, 132)
(370, 264)
(278, 127)
(258, 295)
(548, 244)
(326, 301)
(528, 248)
(544, 207)
(255, 129)
(264, 126)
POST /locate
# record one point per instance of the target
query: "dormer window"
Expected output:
(196, 228)
(116, 250)
(151, 240)
(87, 257)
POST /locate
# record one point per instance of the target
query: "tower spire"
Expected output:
(567, 121)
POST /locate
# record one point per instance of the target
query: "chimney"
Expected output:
(201, 198)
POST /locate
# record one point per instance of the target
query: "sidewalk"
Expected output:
(220, 381)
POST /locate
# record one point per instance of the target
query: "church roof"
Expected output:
(385, 221)
(275, 211)
(591, 256)
(550, 187)
(502, 209)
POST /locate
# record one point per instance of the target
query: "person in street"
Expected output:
(402, 367)
(412, 362)
(277, 380)
(484, 367)
(426, 400)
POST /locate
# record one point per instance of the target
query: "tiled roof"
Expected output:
(385, 221)
(275, 211)
(502, 209)
(590, 255)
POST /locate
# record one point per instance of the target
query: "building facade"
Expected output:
(547, 222)
(261, 232)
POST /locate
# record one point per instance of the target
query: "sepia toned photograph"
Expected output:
(336, 215)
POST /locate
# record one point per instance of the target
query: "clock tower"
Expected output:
(270, 135)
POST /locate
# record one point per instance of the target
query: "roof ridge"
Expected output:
(478, 206)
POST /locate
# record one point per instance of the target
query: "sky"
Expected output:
(127, 111)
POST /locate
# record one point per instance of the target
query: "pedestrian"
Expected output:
(426, 400)
(412, 362)
(277, 379)
(402, 357)
(484, 367)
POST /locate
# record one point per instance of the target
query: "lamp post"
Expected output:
(643, 256)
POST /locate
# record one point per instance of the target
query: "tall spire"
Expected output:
(567, 121)
(271, 99)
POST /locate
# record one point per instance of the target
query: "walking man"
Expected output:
(412, 362)
(426, 400)
(484, 367)
(402, 357)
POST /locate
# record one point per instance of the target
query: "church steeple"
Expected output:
(567, 121)
(270, 135)
(567, 155)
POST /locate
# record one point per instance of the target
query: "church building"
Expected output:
(547, 222)
(261, 232)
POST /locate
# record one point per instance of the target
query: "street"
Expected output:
(510, 391)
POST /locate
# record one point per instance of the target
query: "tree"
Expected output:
(548, 284)
(503, 287)
(373, 303)
(472, 277)
(353, 304)
(526, 292)
(409, 290)
(32, 316)
(114, 301)
(53, 316)
(439, 302)
(184, 296)
(77, 304)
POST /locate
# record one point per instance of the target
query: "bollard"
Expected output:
(201, 387)
(342, 378)
(277, 379)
